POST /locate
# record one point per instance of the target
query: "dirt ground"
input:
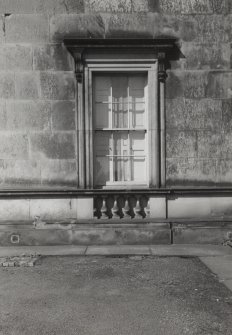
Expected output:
(114, 296)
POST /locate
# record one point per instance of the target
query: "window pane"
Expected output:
(102, 113)
(137, 84)
(120, 115)
(102, 89)
(121, 169)
(119, 89)
(137, 115)
(102, 170)
(137, 143)
(120, 140)
(138, 169)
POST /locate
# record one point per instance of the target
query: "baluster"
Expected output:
(126, 210)
(147, 209)
(104, 209)
(137, 209)
(114, 209)
(95, 212)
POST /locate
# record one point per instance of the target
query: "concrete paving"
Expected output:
(222, 267)
(133, 295)
(155, 250)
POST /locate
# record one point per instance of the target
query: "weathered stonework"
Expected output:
(52, 57)
(7, 85)
(27, 28)
(16, 57)
(80, 26)
(13, 145)
(63, 115)
(54, 146)
(27, 85)
(28, 115)
(38, 116)
(57, 85)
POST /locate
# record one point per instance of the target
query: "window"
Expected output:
(121, 111)
(120, 128)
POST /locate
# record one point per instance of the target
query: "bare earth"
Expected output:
(114, 296)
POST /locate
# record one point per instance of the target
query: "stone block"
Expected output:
(52, 57)
(55, 7)
(157, 207)
(21, 172)
(17, 6)
(190, 172)
(35, 237)
(200, 207)
(59, 172)
(27, 28)
(63, 115)
(7, 85)
(27, 85)
(3, 115)
(84, 208)
(13, 146)
(54, 146)
(2, 33)
(190, 84)
(170, 7)
(120, 235)
(219, 84)
(200, 56)
(48, 209)
(224, 172)
(194, 114)
(209, 144)
(181, 144)
(15, 57)
(14, 209)
(226, 115)
(132, 25)
(57, 85)
(183, 27)
(198, 235)
(225, 151)
(110, 6)
(213, 28)
(41, 6)
(188, 207)
(78, 26)
(28, 115)
(145, 6)
(195, 6)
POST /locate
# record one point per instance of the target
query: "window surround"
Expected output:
(129, 55)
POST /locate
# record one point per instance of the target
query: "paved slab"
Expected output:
(191, 250)
(118, 250)
(43, 250)
(156, 250)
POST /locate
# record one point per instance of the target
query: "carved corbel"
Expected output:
(162, 67)
(79, 64)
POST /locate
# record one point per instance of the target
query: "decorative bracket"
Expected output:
(162, 66)
(79, 64)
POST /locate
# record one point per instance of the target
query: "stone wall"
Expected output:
(37, 85)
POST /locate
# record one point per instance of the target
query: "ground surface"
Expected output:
(114, 296)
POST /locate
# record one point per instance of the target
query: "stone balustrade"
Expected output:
(121, 206)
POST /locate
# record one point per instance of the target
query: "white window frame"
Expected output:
(150, 68)
(112, 183)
